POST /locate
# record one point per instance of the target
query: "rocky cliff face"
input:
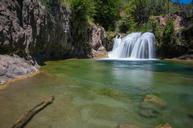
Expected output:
(37, 30)
(32, 30)
(174, 35)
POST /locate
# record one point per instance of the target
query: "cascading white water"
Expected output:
(134, 46)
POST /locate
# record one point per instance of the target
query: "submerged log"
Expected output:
(24, 119)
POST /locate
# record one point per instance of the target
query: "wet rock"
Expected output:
(126, 126)
(164, 126)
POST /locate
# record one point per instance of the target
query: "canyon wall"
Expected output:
(32, 31)
(36, 31)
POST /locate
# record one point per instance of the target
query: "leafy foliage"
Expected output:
(168, 33)
(135, 14)
(107, 13)
(127, 20)
(168, 41)
(82, 10)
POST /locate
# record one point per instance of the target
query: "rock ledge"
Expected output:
(13, 67)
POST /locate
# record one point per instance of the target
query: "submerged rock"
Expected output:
(148, 110)
(164, 126)
(155, 100)
(151, 107)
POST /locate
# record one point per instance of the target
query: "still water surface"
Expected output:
(99, 94)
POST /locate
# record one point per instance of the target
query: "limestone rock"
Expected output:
(12, 67)
(31, 29)
(98, 39)
(36, 30)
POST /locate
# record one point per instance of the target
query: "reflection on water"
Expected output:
(101, 94)
(137, 74)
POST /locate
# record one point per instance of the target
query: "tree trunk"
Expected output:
(23, 121)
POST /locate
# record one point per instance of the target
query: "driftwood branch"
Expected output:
(24, 119)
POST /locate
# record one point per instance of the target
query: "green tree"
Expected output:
(82, 11)
(127, 20)
(156, 7)
(107, 13)
(167, 39)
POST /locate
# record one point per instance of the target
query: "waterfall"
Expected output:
(134, 46)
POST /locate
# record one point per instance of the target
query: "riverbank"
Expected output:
(15, 68)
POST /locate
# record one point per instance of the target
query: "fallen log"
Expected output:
(24, 119)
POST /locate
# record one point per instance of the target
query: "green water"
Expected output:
(90, 94)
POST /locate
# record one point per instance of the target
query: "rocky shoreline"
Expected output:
(15, 67)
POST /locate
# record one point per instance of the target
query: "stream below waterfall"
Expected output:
(102, 94)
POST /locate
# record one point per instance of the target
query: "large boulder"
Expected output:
(98, 40)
